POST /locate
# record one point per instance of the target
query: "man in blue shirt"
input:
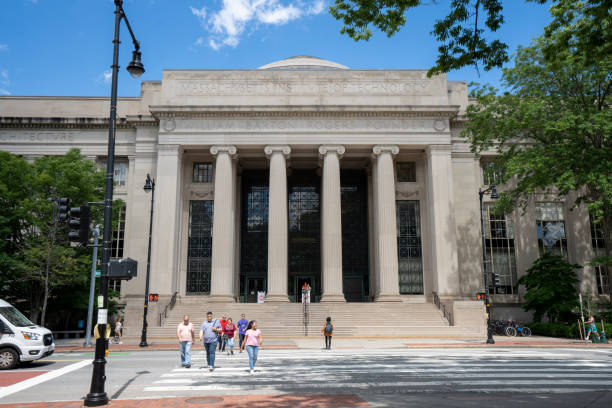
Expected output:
(242, 325)
(208, 332)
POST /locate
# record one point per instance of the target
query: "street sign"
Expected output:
(98, 273)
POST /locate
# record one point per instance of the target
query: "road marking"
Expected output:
(42, 378)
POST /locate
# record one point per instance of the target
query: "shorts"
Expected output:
(592, 329)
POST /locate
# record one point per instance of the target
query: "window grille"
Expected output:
(410, 257)
(550, 224)
(199, 247)
(202, 173)
(599, 248)
(499, 244)
(406, 172)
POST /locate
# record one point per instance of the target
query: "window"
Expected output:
(491, 173)
(406, 172)
(119, 173)
(117, 242)
(410, 257)
(499, 244)
(199, 246)
(599, 248)
(551, 229)
(202, 173)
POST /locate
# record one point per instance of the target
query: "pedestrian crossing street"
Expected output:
(392, 371)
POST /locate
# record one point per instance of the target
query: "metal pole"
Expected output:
(97, 396)
(143, 338)
(583, 329)
(486, 278)
(92, 285)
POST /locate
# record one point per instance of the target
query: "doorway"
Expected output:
(297, 288)
(254, 285)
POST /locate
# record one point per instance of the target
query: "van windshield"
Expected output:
(15, 317)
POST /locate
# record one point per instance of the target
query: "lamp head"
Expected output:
(135, 67)
(494, 194)
(149, 184)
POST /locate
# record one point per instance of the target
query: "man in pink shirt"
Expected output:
(184, 332)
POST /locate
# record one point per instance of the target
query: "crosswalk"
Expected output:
(392, 371)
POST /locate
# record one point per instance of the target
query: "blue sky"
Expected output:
(64, 47)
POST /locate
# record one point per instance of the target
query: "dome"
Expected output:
(303, 62)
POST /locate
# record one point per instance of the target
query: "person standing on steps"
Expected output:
(253, 341)
(118, 331)
(228, 332)
(242, 325)
(184, 332)
(208, 332)
(328, 330)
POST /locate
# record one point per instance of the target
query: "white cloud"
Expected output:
(3, 47)
(5, 82)
(227, 25)
(105, 77)
(4, 92)
(199, 41)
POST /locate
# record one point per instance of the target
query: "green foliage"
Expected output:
(36, 260)
(551, 288)
(466, 32)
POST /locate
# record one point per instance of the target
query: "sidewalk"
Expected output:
(76, 345)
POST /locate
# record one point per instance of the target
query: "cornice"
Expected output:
(131, 122)
(403, 111)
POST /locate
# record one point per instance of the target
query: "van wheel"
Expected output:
(8, 359)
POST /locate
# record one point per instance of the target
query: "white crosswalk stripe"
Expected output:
(400, 370)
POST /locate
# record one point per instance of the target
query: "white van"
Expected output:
(20, 339)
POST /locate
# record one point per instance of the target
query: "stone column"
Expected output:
(331, 225)
(278, 228)
(222, 273)
(443, 232)
(388, 269)
(166, 237)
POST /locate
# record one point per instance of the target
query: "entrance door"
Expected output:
(299, 282)
(254, 285)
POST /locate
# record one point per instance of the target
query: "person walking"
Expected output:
(253, 340)
(221, 338)
(592, 328)
(208, 332)
(185, 335)
(328, 330)
(118, 328)
(228, 331)
(242, 325)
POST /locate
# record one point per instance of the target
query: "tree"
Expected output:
(35, 254)
(465, 32)
(551, 288)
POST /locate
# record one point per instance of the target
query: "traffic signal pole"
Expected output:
(92, 285)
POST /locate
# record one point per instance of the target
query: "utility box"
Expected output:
(124, 269)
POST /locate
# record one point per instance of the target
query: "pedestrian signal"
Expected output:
(153, 297)
(79, 222)
(496, 279)
(480, 296)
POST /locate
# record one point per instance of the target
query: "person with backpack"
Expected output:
(209, 331)
(328, 329)
(252, 342)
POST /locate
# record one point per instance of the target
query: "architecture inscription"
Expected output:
(270, 124)
(35, 137)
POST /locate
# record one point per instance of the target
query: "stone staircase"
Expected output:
(402, 319)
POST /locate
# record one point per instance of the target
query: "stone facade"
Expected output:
(294, 115)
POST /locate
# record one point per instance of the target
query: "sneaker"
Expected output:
(252, 372)
(120, 342)
(211, 368)
(232, 352)
(187, 365)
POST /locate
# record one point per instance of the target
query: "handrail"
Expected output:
(169, 306)
(447, 312)
(305, 318)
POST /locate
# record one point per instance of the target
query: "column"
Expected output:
(165, 238)
(386, 225)
(331, 225)
(222, 273)
(278, 228)
(440, 202)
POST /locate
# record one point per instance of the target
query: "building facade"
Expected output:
(357, 182)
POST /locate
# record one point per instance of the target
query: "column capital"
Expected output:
(337, 149)
(271, 149)
(231, 150)
(380, 149)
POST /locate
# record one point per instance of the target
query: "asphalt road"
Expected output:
(562, 377)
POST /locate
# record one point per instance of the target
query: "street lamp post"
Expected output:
(97, 396)
(494, 196)
(149, 186)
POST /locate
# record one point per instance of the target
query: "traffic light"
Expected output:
(480, 296)
(79, 222)
(153, 297)
(62, 209)
(496, 279)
